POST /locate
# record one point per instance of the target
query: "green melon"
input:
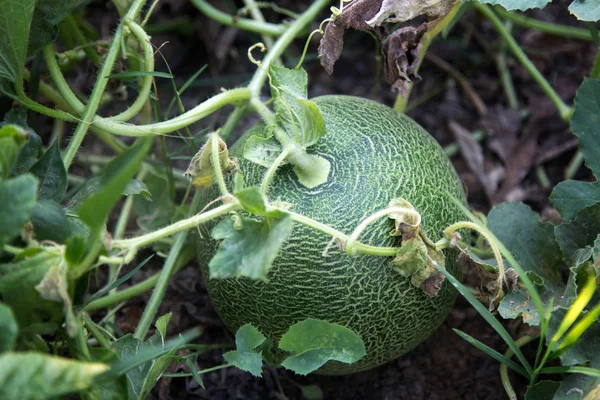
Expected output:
(376, 155)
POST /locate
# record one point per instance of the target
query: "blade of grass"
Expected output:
(136, 74)
(492, 353)
(484, 312)
(572, 370)
(116, 283)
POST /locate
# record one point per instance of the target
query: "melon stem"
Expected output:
(351, 243)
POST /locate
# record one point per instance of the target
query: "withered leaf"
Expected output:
(401, 57)
(400, 49)
(404, 10)
(201, 170)
(354, 15)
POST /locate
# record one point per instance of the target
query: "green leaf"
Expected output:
(33, 376)
(253, 201)
(578, 387)
(17, 197)
(12, 138)
(247, 338)
(517, 4)
(137, 187)
(157, 213)
(262, 151)
(148, 359)
(29, 154)
(585, 122)
(52, 174)
(161, 325)
(542, 390)
(569, 197)
(313, 342)
(17, 289)
(311, 392)
(585, 10)
(8, 328)
(49, 222)
(15, 20)
(249, 251)
(579, 233)
(316, 173)
(532, 243)
(117, 174)
(93, 185)
(299, 117)
(48, 14)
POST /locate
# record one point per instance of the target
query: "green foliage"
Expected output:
(15, 21)
(33, 376)
(245, 357)
(143, 375)
(117, 174)
(579, 233)
(8, 328)
(248, 250)
(517, 4)
(585, 10)
(255, 202)
(532, 243)
(12, 138)
(47, 15)
(262, 151)
(313, 342)
(17, 289)
(543, 390)
(299, 117)
(18, 197)
(569, 197)
(50, 222)
(51, 173)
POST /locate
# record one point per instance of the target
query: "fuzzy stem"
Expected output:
(282, 43)
(546, 27)
(504, 370)
(179, 226)
(81, 39)
(264, 28)
(100, 86)
(564, 110)
(163, 280)
(202, 110)
(350, 243)
(470, 225)
(360, 248)
(264, 187)
(216, 164)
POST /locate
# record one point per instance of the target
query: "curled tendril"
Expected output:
(335, 12)
(262, 48)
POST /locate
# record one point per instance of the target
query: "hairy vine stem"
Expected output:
(100, 85)
(564, 110)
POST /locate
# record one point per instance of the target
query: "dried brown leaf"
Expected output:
(401, 57)
(354, 16)
(473, 155)
(393, 11)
